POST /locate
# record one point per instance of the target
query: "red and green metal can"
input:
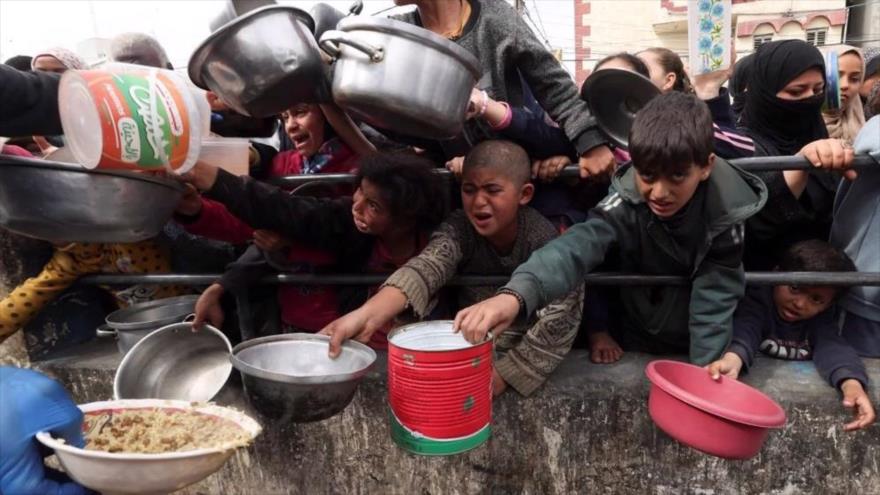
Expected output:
(439, 389)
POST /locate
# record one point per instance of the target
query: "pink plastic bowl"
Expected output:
(724, 418)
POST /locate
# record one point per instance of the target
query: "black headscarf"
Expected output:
(739, 82)
(780, 126)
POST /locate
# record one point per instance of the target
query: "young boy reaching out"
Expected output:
(676, 210)
(797, 323)
(493, 233)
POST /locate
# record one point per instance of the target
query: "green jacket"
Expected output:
(704, 243)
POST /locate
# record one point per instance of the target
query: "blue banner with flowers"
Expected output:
(709, 31)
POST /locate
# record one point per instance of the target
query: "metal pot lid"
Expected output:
(35, 163)
(360, 357)
(414, 33)
(137, 316)
(614, 96)
(197, 60)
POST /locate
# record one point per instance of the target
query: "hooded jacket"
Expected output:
(705, 245)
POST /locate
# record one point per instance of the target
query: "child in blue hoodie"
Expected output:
(797, 323)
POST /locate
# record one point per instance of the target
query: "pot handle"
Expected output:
(104, 331)
(330, 43)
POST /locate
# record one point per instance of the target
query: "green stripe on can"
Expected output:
(422, 445)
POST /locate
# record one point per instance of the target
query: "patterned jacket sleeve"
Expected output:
(528, 365)
(423, 275)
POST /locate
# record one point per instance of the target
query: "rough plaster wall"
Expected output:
(20, 257)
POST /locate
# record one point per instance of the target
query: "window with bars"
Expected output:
(760, 39)
(816, 37)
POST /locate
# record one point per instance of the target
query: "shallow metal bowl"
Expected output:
(62, 202)
(175, 363)
(290, 377)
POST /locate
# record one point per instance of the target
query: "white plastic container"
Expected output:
(132, 117)
(230, 154)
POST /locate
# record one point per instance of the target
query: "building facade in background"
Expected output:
(605, 27)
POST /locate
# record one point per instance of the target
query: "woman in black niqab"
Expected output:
(783, 126)
(783, 115)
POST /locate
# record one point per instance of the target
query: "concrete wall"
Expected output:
(587, 431)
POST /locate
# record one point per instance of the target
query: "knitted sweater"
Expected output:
(534, 347)
(505, 47)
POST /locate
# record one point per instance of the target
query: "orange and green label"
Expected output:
(145, 123)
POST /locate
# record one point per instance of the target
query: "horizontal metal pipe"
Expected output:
(754, 164)
(613, 279)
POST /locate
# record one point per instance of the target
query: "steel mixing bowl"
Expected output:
(62, 202)
(176, 363)
(290, 377)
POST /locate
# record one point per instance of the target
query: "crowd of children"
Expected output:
(670, 204)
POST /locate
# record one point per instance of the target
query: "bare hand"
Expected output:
(202, 176)
(729, 365)
(357, 325)
(597, 163)
(855, 398)
(831, 155)
(493, 315)
(475, 104)
(455, 165)
(190, 203)
(548, 170)
(46, 147)
(208, 308)
(498, 383)
(708, 85)
(268, 240)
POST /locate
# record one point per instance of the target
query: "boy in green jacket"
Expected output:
(675, 210)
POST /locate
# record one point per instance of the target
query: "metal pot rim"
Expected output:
(197, 59)
(413, 326)
(413, 33)
(255, 372)
(122, 326)
(31, 163)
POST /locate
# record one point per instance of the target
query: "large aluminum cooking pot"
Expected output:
(236, 8)
(262, 62)
(129, 325)
(400, 77)
(62, 202)
(290, 377)
(175, 363)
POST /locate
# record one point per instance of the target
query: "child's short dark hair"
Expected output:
(506, 157)
(408, 184)
(670, 133)
(815, 256)
(638, 65)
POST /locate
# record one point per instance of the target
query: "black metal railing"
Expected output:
(618, 279)
(754, 164)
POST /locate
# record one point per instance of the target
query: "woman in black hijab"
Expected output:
(782, 114)
(738, 84)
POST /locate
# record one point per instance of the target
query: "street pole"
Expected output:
(519, 5)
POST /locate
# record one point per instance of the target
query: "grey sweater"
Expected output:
(534, 347)
(506, 47)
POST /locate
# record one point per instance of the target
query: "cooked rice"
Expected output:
(159, 430)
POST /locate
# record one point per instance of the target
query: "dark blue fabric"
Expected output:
(758, 326)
